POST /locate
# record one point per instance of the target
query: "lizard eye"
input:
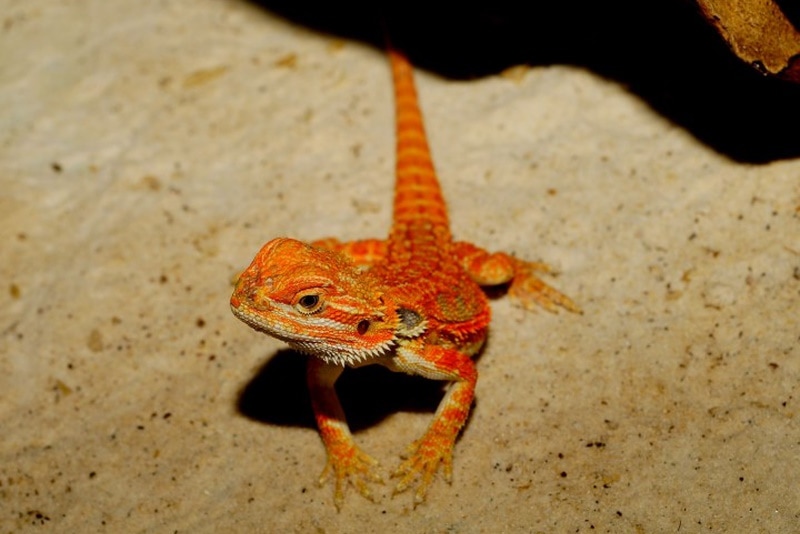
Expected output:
(309, 303)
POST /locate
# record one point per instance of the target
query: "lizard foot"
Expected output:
(530, 291)
(423, 460)
(350, 465)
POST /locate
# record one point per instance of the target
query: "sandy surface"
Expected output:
(150, 148)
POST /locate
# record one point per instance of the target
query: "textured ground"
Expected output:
(149, 148)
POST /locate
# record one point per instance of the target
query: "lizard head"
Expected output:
(317, 301)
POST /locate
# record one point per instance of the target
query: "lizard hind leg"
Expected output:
(526, 288)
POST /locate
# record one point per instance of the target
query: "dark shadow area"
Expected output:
(661, 50)
(791, 10)
(278, 394)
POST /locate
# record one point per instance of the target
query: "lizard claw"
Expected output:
(424, 458)
(350, 465)
(530, 291)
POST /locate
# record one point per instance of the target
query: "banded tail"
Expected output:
(418, 196)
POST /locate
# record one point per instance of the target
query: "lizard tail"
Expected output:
(418, 196)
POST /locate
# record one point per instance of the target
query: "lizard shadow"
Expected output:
(662, 51)
(278, 394)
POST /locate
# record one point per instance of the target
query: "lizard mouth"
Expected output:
(333, 351)
(251, 319)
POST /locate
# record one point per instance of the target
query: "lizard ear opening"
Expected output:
(411, 323)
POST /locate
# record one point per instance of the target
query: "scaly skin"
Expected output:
(412, 303)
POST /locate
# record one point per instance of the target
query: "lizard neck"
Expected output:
(418, 202)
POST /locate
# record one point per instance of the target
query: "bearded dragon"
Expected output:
(411, 302)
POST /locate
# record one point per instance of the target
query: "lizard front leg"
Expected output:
(435, 447)
(346, 461)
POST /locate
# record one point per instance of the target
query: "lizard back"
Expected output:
(421, 265)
